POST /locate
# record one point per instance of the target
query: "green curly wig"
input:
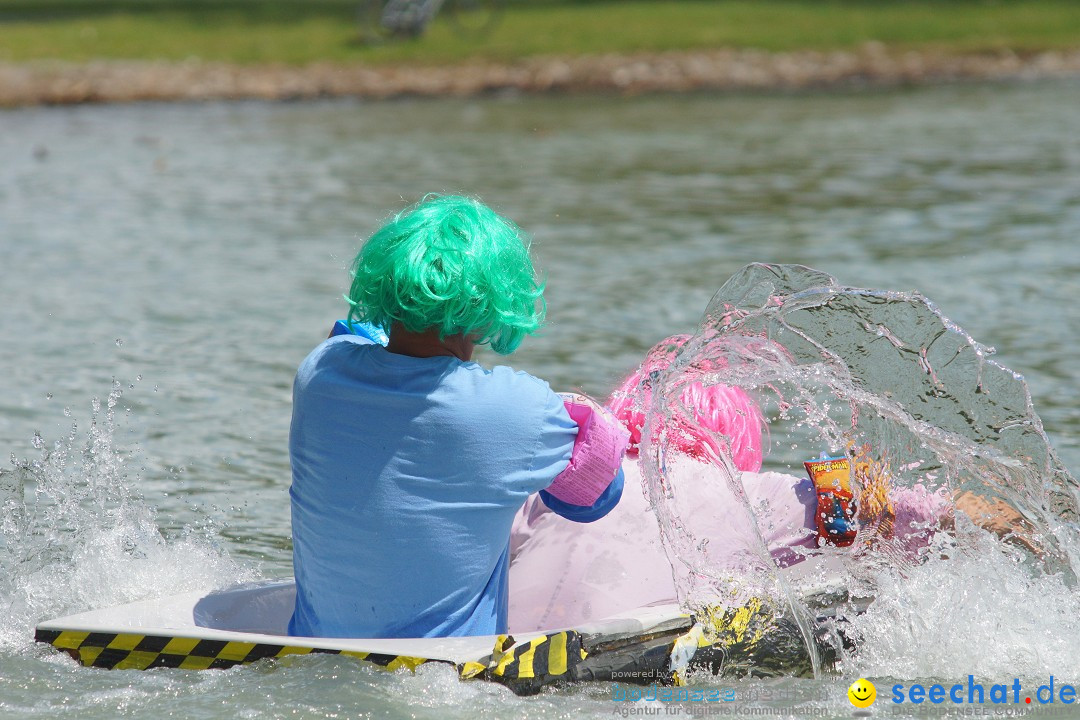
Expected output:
(453, 264)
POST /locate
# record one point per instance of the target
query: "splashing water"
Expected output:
(75, 535)
(885, 379)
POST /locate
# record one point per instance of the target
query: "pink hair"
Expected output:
(720, 409)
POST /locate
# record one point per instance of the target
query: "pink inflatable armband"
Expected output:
(598, 452)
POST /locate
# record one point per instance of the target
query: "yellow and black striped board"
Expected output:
(130, 651)
(651, 645)
(524, 667)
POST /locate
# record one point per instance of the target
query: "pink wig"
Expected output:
(721, 409)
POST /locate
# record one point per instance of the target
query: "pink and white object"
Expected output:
(598, 452)
(564, 573)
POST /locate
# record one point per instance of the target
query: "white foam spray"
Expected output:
(75, 533)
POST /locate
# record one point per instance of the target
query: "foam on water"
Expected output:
(75, 533)
(887, 378)
(973, 610)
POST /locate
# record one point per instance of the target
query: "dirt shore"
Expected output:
(123, 81)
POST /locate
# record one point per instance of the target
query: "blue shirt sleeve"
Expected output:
(555, 445)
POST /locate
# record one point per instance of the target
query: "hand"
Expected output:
(580, 398)
(998, 517)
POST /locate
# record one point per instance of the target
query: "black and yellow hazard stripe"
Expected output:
(527, 666)
(545, 656)
(131, 651)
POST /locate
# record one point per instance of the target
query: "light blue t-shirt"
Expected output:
(407, 473)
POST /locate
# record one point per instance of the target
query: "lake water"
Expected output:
(193, 254)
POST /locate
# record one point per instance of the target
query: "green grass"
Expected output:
(305, 31)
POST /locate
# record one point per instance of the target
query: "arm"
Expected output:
(591, 485)
(997, 516)
(911, 512)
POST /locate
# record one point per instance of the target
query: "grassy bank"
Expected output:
(299, 32)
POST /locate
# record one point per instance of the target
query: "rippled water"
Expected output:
(195, 253)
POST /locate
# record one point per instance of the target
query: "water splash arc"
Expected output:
(845, 371)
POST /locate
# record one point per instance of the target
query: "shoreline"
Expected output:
(872, 65)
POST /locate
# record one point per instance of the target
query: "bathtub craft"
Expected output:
(246, 623)
(651, 644)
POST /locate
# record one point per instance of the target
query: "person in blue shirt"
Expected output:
(409, 461)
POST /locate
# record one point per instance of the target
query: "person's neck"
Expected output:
(427, 343)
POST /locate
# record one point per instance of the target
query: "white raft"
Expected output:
(247, 623)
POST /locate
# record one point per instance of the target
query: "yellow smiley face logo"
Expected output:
(862, 693)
